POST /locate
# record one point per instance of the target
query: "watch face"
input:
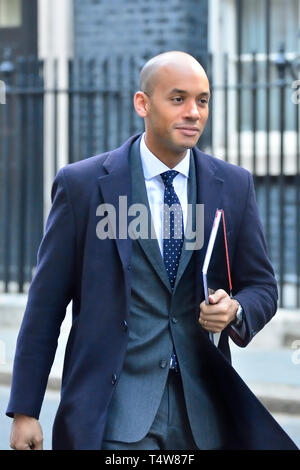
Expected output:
(239, 315)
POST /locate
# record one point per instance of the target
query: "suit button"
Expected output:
(174, 320)
(125, 325)
(129, 267)
(163, 363)
(114, 379)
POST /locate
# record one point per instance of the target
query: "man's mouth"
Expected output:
(189, 131)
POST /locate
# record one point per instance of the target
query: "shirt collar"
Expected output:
(152, 166)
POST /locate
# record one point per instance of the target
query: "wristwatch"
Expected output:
(238, 316)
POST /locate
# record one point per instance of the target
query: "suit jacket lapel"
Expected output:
(192, 197)
(139, 195)
(205, 187)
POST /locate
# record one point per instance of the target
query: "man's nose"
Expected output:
(192, 110)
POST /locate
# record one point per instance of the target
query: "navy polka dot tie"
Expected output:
(172, 235)
(172, 226)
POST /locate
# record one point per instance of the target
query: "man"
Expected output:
(140, 370)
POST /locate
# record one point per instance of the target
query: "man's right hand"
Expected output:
(26, 433)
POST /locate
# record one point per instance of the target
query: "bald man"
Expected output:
(140, 370)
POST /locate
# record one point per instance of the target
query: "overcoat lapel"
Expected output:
(209, 193)
(116, 183)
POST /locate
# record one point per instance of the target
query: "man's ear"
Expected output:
(141, 104)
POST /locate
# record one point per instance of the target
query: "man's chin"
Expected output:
(187, 144)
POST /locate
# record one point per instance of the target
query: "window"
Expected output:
(266, 31)
(260, 116)
(10, 13)
(283, 20)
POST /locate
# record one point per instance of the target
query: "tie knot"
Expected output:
(168, 177)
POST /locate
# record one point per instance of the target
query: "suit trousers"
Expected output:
(170, 429)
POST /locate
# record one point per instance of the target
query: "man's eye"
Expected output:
(177, 99)
(203, 101)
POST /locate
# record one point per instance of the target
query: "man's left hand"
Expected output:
(220, 311)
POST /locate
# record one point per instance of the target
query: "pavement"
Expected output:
(270, 366)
